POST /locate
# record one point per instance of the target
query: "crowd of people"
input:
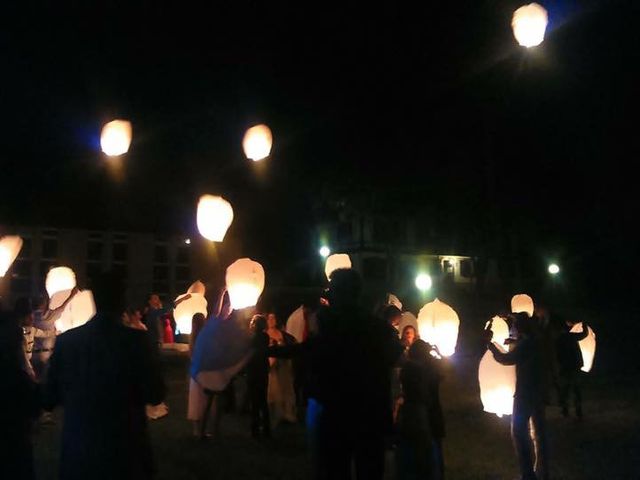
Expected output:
(359, 383)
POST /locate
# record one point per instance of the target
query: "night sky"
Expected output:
(431, 106)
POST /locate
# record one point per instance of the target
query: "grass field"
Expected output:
(605, 445)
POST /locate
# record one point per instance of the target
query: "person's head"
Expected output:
(344, 289)
(154, 301)
(108, 293)
(258, 323)
(523, 325)
(392, 315)
(198, 317)
(419, 351)
(272, 321)
(409, 335)
(23, 311)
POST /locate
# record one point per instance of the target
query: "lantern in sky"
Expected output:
(214, 217)
(116, 138)
(522, 303)
(336, 261)
(59, 279)
(245, 282)
(9, 248)
(438, 325)
(257, 142)
(186, 309)
(78, 311)
(529, 24)
(587, 346)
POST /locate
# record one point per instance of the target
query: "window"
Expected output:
(182, 255)
(120, 252)
(160, 272)
(182, 273)
(94, 270)
(345, 233)
(466, 268)
(94, 250)
(50, 248)
(374, 268)
(161, 254)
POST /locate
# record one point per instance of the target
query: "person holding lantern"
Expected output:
(528, 401)
(570, 362)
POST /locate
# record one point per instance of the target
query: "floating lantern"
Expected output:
(529, 24)
(245, 282)
(59, 279)
(186, 309)
(78, 311)
(257, 142)
(9, 248)
(116, 138)
(438, 325)
(587, 346)
(214, 217)
(336, 261)
(522, 303)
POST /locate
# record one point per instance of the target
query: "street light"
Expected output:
(257, 142)
(529, 24)
(324, 251)
(115, 138)
(554, 269)
(423, 282)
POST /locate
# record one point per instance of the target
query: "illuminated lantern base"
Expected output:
(497, 385)
(587, 346)
(185, 310)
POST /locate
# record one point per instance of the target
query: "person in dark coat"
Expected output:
(103, 374)
(570, 362)
(529, 397)
(258, 378)
(349, 363)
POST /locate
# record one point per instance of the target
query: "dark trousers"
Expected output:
(568, 382)
(528, 432)
(260, 420)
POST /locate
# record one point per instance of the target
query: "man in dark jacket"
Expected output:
(570, 362)
(103, 374)
(528, 400)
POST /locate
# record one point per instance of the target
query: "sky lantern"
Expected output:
(245, 283)
(9, 248)
(336, 261)
(587, 346)
(115, 138)
(257, 142)
(59, 279)
(522, 303)
(438, 325)
(214, 217)
(78, 311)
(186, 309)
(529, 24)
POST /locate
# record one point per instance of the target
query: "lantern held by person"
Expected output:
(78, 311)
(336, 261)
(438, 325)
(115, 138)
(522, 303)
(59, 279)
(245, 282)
(9, 248)
(257, 142)
(529, 23)
(197, 287)
(214, 217)
(587, 346)
(186, 308)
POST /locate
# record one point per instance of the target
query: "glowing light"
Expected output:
(186, 309)
(522, 303)
(115, 138)
(336, 261)
(554, 269)
(500, 330)
(257, 142)
(438, 325)
(245, 283)
(9, 248)
(78, 311)
(423, 282)
(59, 279)
(497, 382)
(324, 251)
(197, 287)
(587, 346)
(214, 217)
(529, 24)
(187, 241)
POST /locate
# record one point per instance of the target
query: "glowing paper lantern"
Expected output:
(78, 311)
(500, 330)
(9, 248)
(587, 346)
(59, 279)
(116, 138)
(529, 24)
(438, 325)
(336, 261)
(214, 217)
(245, 282)
(186, 309)
(522, 303)
(257, 142)
(197, 287)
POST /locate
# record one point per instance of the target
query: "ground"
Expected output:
(604, 445)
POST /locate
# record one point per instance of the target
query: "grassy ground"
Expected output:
(605, 445)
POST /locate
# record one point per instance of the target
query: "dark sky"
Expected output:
(411, 101)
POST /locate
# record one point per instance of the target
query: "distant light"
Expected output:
(257, 142)
(115, 138)
(423, 282)
(554, 269)
(529, 24)
(325, 251)
(187, 241)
